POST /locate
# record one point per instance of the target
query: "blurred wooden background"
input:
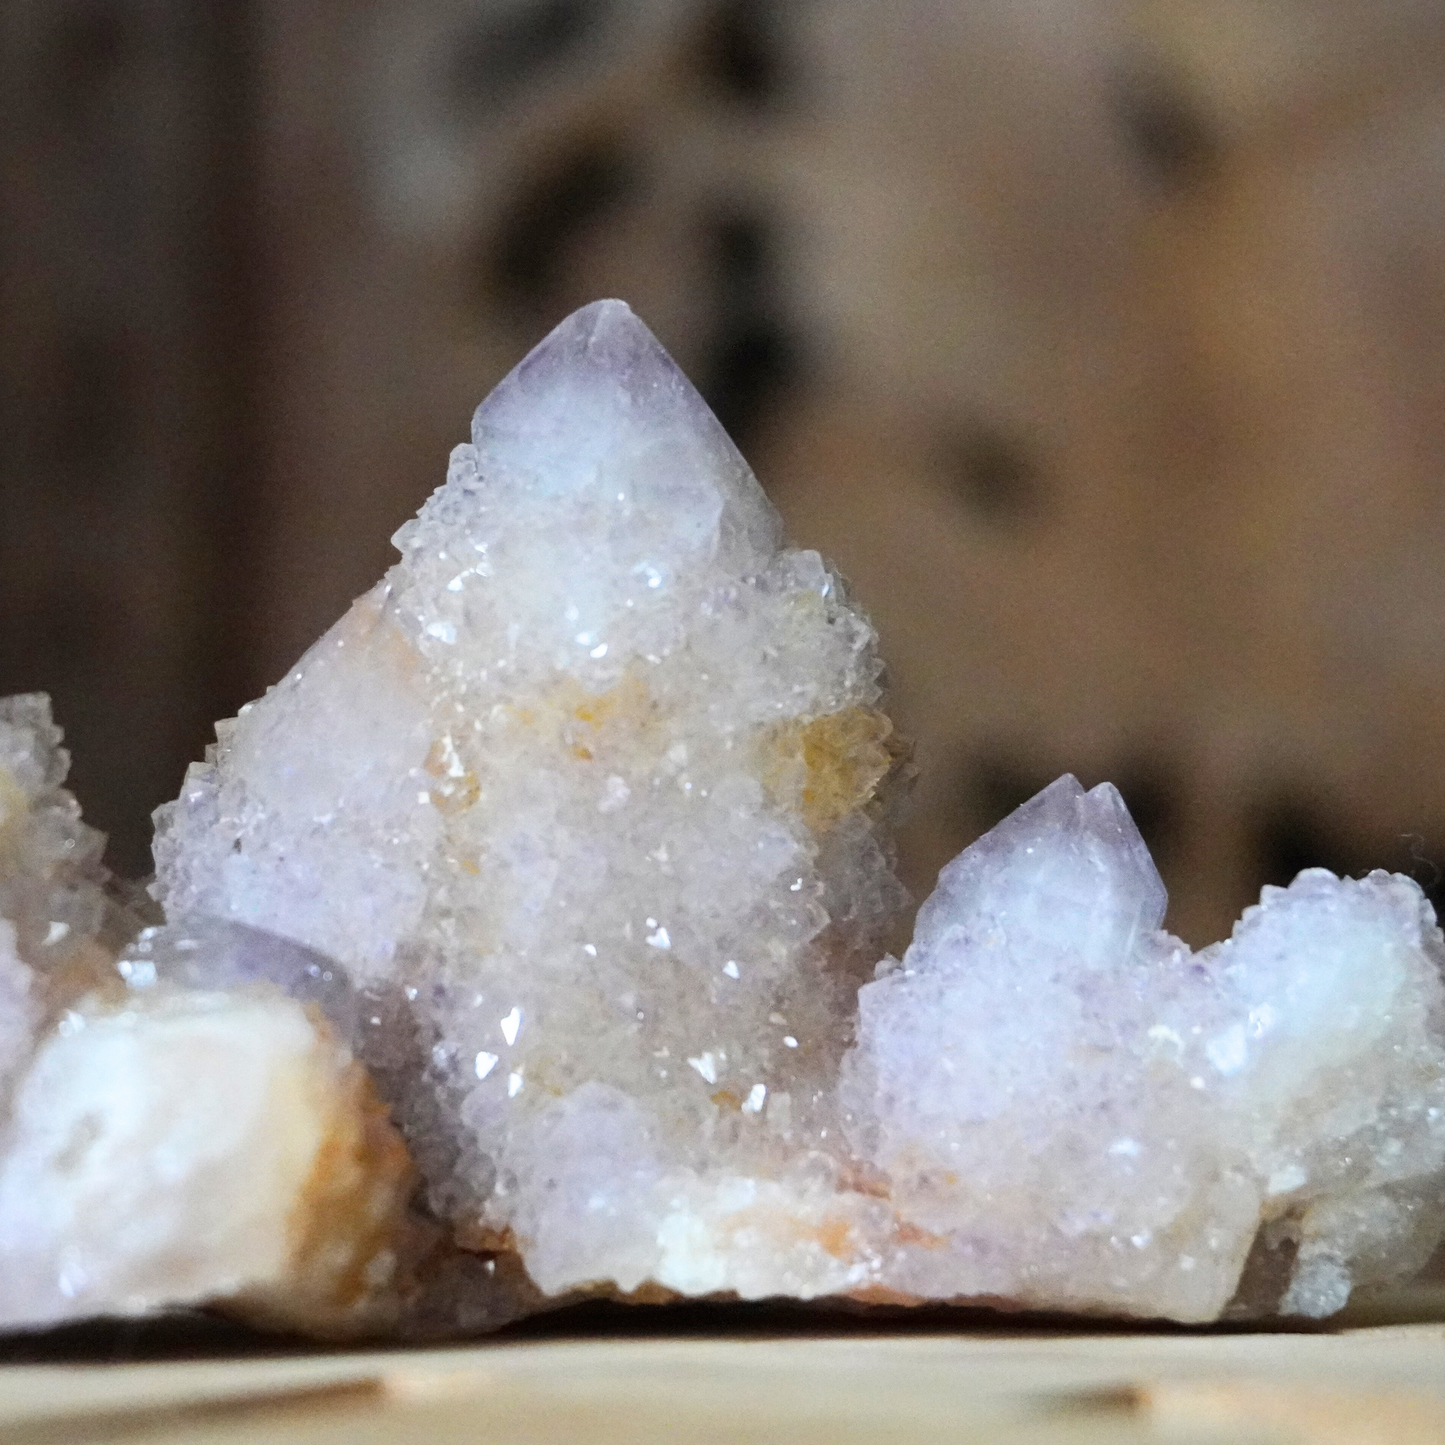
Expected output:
(1102, 345)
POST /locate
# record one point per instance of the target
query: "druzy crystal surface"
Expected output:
(574, 835)
(1078, 1112)
(56, 918)
(594, 782)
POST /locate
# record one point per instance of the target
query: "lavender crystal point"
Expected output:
(599, 414)
(1069, 860)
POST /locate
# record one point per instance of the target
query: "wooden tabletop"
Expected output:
(737, 1376)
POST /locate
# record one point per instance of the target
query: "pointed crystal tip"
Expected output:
(1073, 856)
(602, 359)
(604, 334)
(599, 410)
(597, 320)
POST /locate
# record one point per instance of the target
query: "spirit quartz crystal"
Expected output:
(596, 782)
(575, 829)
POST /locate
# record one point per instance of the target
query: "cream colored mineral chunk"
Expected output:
(166, 1145)
(191, 1148)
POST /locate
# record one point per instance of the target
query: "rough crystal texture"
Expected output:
(587, 799)
(53, 903)
(58, 925)
(172, 1144)
(188, 1147)
(1076, 1112)
(591, 784)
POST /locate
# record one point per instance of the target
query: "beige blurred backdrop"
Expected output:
(1101, 345)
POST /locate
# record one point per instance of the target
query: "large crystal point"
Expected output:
(591, 781)
(1074, 1111)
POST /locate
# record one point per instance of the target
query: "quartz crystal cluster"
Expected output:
(573, 834)
(595, 783)
(1079, 1113)
(166, 1145)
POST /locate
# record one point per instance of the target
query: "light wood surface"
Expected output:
(833, 1384)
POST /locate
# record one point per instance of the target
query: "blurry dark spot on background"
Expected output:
(507, 46)
(1292, 838)
(553, 208)
(1164, 127)
(991, 472)
(750, 356)
(742, 52)
(993, 785)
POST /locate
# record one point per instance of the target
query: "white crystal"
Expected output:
(1049, 1075)
(595, 739)
(193, 1148)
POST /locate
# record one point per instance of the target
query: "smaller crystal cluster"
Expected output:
(1075, 1111)
(174, 1141)
(56, 917)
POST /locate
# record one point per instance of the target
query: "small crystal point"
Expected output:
(604, 353)
(1066, 854)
